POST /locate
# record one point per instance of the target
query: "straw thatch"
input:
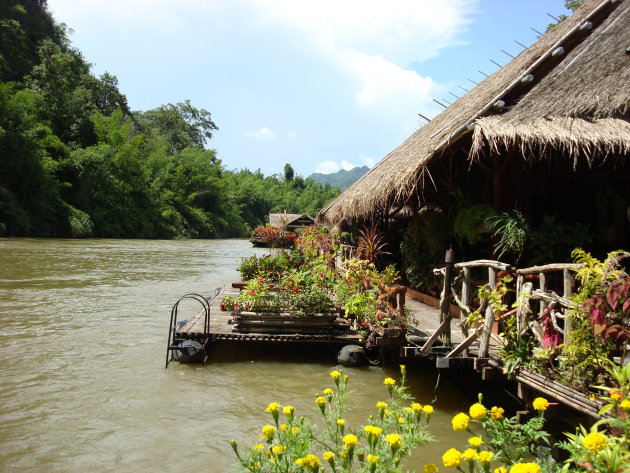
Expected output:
(394, 181)
(290, 221)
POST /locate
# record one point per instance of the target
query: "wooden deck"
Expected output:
(222, 327)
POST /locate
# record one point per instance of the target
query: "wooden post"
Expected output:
(445, 303)
(465, 297)
(567, 278)
(484, 344)
(542, 279)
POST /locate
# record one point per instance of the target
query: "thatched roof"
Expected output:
(290, 220)
(393, 181)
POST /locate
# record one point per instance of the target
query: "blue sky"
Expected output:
(322, 85)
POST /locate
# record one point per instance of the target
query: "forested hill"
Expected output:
(342, 178)
(76, 161)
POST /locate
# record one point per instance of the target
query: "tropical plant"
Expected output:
(371, 244)
(509, 230)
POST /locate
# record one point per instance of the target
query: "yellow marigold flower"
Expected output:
(394, 440)
(416, 407)
(615, 395)
(329, 457)
(595, 441)
(401, 420)
(259, 446)
(341, 422)
(452, 458)
(309, 461)
(475, 441)
(335, 375)
(478, 411)
(320, 401)
(288, 410)
(427, 409)
(430, 468)
(372, 459)
(389, 382)
(497, 413)
(485, 457)
(268, 431)
(409, 410)
(525, 468)
(540, 404)
(278, 449)
(283, 427)
(625, 404)
(381, 405)
(470, 454)
(460, 421)
(295, 430)
(403, 370)
(500, 470)
(372, 431)
(328, 392)
(350, 441)
(273, 407)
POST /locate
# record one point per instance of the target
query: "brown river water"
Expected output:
(83, 333)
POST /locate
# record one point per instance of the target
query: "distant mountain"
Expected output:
(342, 179)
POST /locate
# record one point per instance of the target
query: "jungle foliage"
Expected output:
(76, 161)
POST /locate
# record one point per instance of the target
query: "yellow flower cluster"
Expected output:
(350, 441)
(341, 422)
(427, 409)
(335, 375)
(309, 461)
(460, 421)
(540, 404)
(470, 454)
(430, 468)
(475, 441)
(273, 407)
(288, 410)
(477, 411)
(497, 413)
(320, 401)
(394, 440)
(389, 382)
(452, 458)
(500, 470)
(625, 404)
(278, 449)
(525, 467)
(329, 457)
(372, 459)
(595, 441)
(615, 395)
(485, 457)
(416, 407)
(328, 392)
(268, 432)
(381, 405)
(372, 431)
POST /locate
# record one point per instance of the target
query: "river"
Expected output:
(83, 332)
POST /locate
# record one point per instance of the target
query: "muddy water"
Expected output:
(83, 327)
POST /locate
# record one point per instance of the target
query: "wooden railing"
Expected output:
(458, 285)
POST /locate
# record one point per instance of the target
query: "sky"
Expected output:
(322, 85)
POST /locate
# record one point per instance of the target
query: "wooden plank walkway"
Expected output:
(222, 328)
(426, 321)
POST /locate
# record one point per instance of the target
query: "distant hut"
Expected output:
(291, 222)
(548, 133)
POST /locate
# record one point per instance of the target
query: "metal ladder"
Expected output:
(173, 342)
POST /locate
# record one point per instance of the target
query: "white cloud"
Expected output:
(264, 134)
(330, 166)
(327, 167)
(386, 84)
